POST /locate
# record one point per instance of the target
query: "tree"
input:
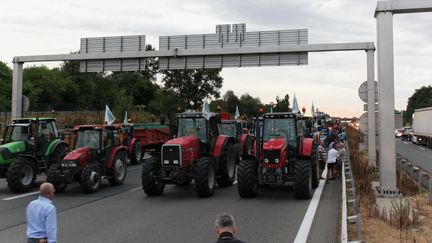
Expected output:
(5, 87)
(193, 85)
(249, 105)
(123, 102)
(282, 105)
(218, 105)
(231, 101)
(421, 98)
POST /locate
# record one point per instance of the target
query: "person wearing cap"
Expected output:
(225, 229)
(42, 217)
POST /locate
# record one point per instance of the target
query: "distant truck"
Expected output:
(422, 127)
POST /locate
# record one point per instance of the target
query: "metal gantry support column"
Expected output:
(386, 104)
(371, 108)
(17, 90)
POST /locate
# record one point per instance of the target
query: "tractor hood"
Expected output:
(274, 144)
(9, 150)
(185, 142)
(77, 153)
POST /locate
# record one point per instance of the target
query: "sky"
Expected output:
(330, 80)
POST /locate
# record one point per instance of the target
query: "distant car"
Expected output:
(407, 134)
(398, 133)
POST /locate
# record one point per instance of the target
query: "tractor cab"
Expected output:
(305, 124)
(231, 128)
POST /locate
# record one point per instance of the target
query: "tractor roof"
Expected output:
(280, 115)
(33, 119)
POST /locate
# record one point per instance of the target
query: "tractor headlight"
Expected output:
(277, 161)
(266, 160)
(176, 162)
(166, 162)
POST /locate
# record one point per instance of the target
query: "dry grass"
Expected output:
(408, 219)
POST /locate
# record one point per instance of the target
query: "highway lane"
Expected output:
(125, 214)
(419, 155)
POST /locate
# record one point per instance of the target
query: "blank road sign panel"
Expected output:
(233, 37)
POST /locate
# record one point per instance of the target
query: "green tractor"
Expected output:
(28, 147)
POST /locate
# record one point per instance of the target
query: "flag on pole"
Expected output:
(271, 109)
(125, 120)
(109, 117)
(295, 108)
(206, 110)
(313, 109)
(237, 113)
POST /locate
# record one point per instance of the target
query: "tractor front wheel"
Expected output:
(21, 175)
(205, 177)
(91, 178)
(54, 177)
(228, 166)
(150, 180)
(302, 179)
(247, 178)
(136, 153)
(58, 154)
(118, 169)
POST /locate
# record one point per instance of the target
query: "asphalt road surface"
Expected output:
(420, 155)
(125, 214)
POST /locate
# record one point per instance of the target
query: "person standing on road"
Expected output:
(332, 157)
(42, 217)
(225, 229)
(321, 155)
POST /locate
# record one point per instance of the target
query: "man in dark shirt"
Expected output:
(225, 229)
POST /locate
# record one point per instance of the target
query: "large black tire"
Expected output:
(247, 178)
(57, 155)
(91, 178)
(54, 177)
(228, 166)
(150, 177)
(118, 169)
(302, 179)
(136, 153)
(315, 167)
(21, 175)
(205, 182)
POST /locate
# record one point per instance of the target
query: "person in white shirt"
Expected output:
(332, 157)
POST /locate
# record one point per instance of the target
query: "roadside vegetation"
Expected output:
(408, 219)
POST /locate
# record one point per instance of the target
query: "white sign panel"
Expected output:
(363, 92)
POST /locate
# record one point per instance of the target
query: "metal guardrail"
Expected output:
(422, 177)
(349, 200)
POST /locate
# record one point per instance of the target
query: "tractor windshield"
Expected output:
(228, 129)
(88, 138)
(18, 132)
(188, 126)
(279, 128)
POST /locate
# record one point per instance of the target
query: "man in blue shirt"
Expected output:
(42, 217)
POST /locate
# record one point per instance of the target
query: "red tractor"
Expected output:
(198, 152)
(97, 154)
(283, 156)
(244, 141)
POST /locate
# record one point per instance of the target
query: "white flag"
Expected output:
(109, 117)
(295, 108)
(125, 120)
(206, 110)
(237, 113)
(313, 109)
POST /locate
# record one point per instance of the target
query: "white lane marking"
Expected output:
(135, 189)
(306, 224)
(235, 182)
(20, 196)
(422, 148)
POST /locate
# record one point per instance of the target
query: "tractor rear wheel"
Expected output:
(54, 177)
(136, 153)
(247, 178)
(91, 178)
(315, 168)
(228, 166)
(302, 179)
(150, 180)
(205, 177)
(21, 175)
(118, 169)
(57, 155)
